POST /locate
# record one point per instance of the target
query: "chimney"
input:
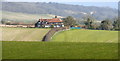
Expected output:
(55, 16)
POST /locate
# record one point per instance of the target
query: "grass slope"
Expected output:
(23, 34)
(86, 36)
(23, 17)
(59, 50)
(73, 48)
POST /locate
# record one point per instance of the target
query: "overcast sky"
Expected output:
(62, 0)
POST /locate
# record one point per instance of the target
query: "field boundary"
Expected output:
(49, 35)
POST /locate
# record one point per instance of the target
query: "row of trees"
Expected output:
(104, 25)
(90, 24)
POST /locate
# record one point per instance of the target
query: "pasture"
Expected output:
(59, 50)
(71, 44)
(23, 34)
(86, 36)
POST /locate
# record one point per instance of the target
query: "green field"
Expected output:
(59, 50)
(78, 44)
(23, 34)
(86, 36)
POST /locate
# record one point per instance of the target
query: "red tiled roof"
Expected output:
(51, 20)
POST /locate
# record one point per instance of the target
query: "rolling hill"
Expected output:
(86, 36)
(23, 34)
(77, 11)
(25, 43)
(24, 17)
(71, 44)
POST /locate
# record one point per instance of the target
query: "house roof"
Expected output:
(51, 20)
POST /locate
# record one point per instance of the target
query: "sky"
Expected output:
(64, 0)
(99, 3)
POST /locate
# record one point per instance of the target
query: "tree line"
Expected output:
(90, 23)
(104, 25)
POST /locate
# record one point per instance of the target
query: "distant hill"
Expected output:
(77, 11)
(24, 17)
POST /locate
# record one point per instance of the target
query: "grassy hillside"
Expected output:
(86, 36)
(73, 44)
(22, 17)
(23, 34)
(76, 11)
(59, 50)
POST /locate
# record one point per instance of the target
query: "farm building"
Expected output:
(46, 23)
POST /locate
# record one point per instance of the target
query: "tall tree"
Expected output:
(69, 21)
(106, 24)
(89, 23)
(116, 25)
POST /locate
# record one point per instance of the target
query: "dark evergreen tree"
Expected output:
(89, 23)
